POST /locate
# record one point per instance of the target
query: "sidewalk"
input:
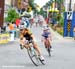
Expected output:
(60, 37)
(57, 34)
(10, 42)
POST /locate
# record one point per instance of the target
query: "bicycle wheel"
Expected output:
(34, 57)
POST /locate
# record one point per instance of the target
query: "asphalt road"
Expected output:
(63, 55)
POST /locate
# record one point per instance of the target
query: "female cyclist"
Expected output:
(46, 36)
(25, 36)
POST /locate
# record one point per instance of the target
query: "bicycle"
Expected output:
(35, 58)
(47, 46)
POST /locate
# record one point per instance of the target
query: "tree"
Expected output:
(32, 4)
(12, 15)
(59, 5)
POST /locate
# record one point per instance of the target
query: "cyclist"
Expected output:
(26, 35)
(46, 35)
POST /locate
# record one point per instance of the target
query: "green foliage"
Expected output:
(61, 21)
(60, 32)
(32, 4)
(12, 15)
(41, 11)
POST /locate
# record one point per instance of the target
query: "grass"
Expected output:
(59, 29)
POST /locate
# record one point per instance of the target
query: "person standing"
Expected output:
(17, 22)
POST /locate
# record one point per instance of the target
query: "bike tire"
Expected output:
(35, 56)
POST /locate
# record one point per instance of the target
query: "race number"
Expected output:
(69, 15)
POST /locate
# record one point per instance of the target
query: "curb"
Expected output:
(60, 36)
(9, 43)
(57, 34)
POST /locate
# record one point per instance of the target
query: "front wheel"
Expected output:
(33, 57)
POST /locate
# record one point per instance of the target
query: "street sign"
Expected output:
(69, 15)
(1, 12)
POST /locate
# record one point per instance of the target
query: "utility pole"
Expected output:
(70, 6)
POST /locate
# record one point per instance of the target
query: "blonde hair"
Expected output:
(22, 33)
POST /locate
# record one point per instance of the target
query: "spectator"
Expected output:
(17, 22)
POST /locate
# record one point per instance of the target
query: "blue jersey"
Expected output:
(46, 34)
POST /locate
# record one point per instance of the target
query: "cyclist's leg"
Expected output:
(38, 50)
(47, 43)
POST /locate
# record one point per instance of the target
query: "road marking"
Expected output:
(11, 66)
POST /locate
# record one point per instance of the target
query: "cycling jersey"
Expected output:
(46, 34)
(28, 36)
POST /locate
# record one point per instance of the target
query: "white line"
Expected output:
(4, 66)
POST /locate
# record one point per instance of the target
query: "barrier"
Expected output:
(68, 27)
(4, 38)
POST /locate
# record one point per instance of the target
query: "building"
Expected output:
(7, 7)
(1, 12)
(8, 2)
(19, 3)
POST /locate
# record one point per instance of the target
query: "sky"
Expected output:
(41, 2)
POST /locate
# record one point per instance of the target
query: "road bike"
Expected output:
(35, 58)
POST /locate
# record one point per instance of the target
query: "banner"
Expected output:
(69, 15)
(4, 38)
(1, 12)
